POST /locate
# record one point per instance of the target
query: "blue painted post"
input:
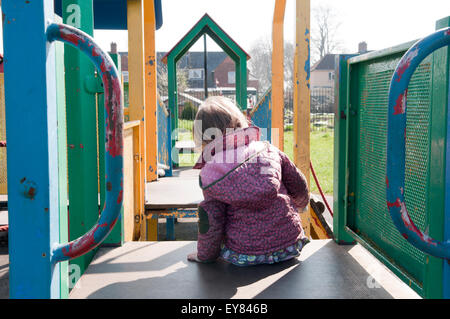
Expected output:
(170, 228)
(261, 116)
(31, 117)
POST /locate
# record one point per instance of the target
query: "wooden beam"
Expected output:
(150, 91)
(135, 16)
(278, 72)
(302, 98)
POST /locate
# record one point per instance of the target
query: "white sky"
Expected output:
(381, 23)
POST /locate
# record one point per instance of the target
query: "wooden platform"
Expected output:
(3, 202)
(4, 217)
(180, 191)
(185, 146)
(160, 270)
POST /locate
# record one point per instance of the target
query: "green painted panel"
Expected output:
(365, 212)
(340, 141)
(438, 133)
(370, 218)
(81, 131)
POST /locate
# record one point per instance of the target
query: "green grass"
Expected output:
(321, 149)
(187, 159)
(187, 125)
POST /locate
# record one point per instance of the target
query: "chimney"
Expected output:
(113, 48)
(362, 47)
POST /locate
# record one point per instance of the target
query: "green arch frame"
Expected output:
(206, 25)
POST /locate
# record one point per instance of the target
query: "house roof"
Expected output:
(326, 63)
(194, 60)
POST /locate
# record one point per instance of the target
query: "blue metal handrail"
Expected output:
(113, 146)
(396, 139)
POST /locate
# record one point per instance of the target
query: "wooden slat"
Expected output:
(128, 187)
(150, 206)
(130, 125)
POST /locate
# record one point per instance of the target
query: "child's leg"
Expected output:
(270, 258)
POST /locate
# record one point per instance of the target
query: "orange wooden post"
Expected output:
(150, 91)
(278, 74)
(3, 178)
(135, 16)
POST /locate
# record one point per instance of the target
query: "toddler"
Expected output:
(252, 191)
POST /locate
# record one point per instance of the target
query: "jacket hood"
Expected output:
(240, 169)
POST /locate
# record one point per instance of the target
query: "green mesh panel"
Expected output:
(372, 220)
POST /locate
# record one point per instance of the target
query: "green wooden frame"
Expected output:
(206, 25)
(340, 196)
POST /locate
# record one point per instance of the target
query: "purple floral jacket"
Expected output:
(252, 193)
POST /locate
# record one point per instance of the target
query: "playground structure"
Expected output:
(118, 178)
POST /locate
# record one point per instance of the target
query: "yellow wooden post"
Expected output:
(3, 178)
(143, 235)
(302, 98)
(135, 17)
(278, 73)
(132, 180)
(150, 90)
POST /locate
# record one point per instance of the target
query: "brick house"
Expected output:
(322, 72)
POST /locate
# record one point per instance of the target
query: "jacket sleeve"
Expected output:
(294, 181)
(211, 228)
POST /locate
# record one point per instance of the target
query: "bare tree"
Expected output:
(260, 63)
(162, 79)
(289, 56)
(324, 32)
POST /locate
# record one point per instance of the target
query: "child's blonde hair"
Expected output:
(216, 113)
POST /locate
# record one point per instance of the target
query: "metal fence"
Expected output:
(322, 109)
(188, 103)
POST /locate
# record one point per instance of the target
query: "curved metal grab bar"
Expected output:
(113, 145)
(395, 168)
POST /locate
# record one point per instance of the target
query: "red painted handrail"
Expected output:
(113, 145)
